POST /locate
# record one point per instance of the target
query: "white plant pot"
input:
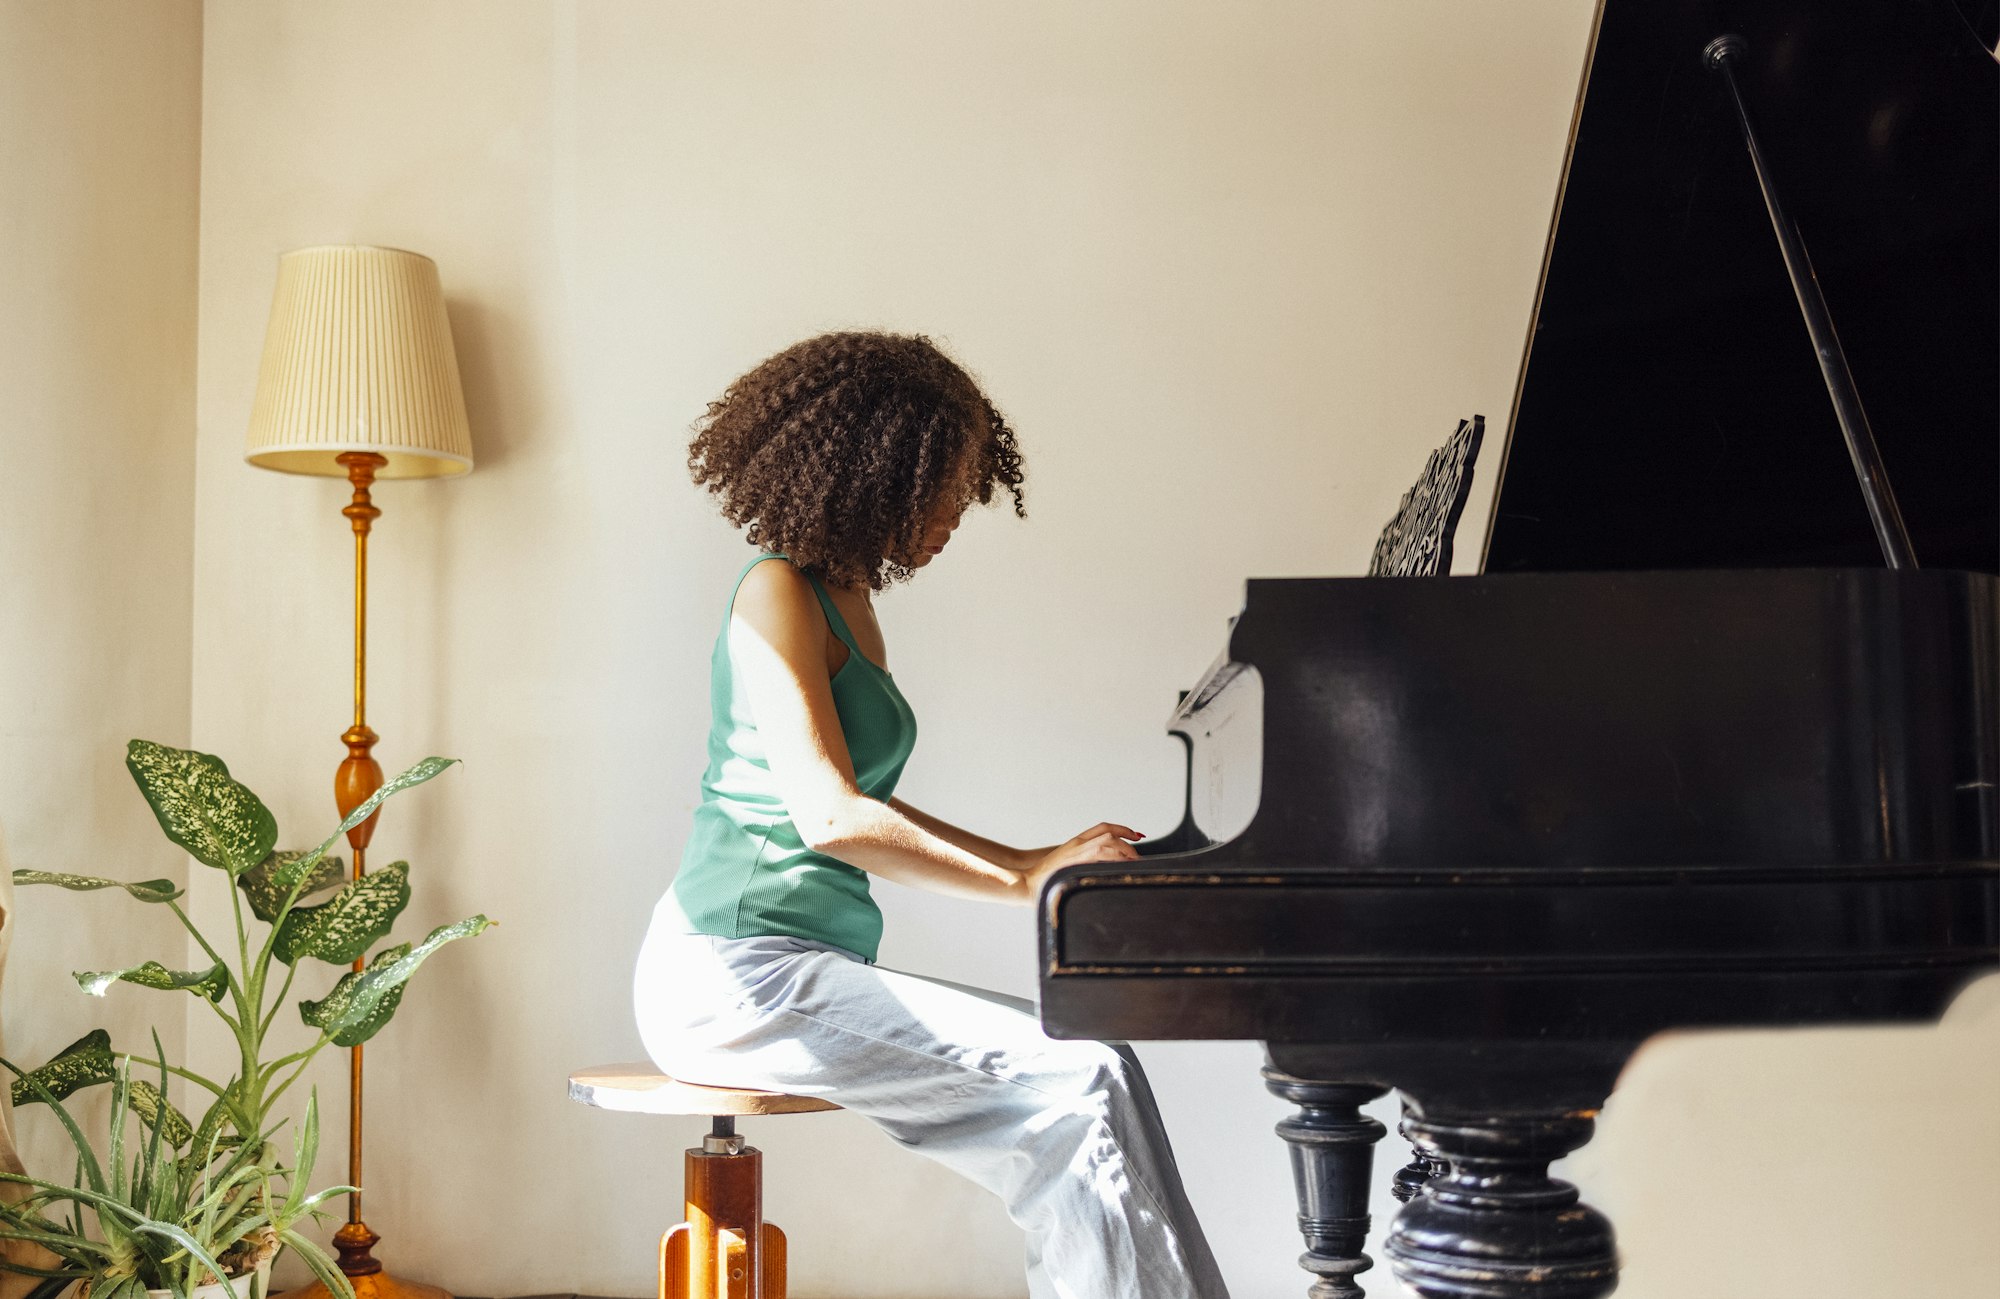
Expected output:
(254, 1286)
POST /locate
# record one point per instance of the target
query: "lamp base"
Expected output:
(353, 1242)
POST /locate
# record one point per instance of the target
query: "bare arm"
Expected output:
(1014, 859)
(777, 637)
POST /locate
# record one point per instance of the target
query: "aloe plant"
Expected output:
(277, 931)
(189, 1209)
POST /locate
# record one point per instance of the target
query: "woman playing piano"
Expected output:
(849, 459)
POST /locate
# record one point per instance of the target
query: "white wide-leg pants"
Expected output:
(1065, 1133)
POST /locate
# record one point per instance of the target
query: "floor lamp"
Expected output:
(359, 381)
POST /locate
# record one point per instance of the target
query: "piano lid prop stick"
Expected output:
(1721, 56)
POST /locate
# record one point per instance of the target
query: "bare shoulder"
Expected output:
(776, 600)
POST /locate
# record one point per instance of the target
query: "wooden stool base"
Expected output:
(725, 1249)
(674, 1276)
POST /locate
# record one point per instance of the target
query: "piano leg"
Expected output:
(1333, 1153)
(1494, 1224)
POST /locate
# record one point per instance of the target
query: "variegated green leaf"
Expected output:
(201, 808)
(335, 1013)
(85, 1062)
(156, 1111)
(266, 885)
(360, 1004)
(88, 1062)
(144, 890)
(210, 983)
(416, 774)
(343, 928)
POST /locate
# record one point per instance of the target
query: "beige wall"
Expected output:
(99, 155)
(1231, 271)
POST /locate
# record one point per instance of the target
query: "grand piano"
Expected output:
(1702, 744)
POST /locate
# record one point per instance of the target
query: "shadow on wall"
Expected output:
(494, 360)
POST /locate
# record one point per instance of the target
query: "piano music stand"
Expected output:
(1417, 542)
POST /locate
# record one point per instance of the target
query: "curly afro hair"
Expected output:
(839, 449)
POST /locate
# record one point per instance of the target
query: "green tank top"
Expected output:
(745, 870)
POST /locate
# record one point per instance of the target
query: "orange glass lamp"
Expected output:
(359, 381)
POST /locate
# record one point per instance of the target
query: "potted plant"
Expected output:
(192, 1216)
(277, 932)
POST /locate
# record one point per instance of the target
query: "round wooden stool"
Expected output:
(725, 1249)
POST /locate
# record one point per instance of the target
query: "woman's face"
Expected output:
(949, 509)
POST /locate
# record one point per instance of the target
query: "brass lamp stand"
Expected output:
(358, 777)
(359, 380)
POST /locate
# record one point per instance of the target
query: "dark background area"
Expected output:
(1672, 413)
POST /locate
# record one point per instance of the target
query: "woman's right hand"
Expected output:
(1105, 841)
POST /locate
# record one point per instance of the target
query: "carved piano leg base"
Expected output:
(1333, 1153)
(1411, 1179)
(1495, 1225)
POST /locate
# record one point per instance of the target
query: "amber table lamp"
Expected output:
(359, 381)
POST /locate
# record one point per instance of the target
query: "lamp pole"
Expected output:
(358, 777)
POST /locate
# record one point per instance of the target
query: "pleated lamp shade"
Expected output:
(358, 357)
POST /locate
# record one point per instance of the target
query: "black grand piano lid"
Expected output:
(1672, 417)
(1670, 412)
